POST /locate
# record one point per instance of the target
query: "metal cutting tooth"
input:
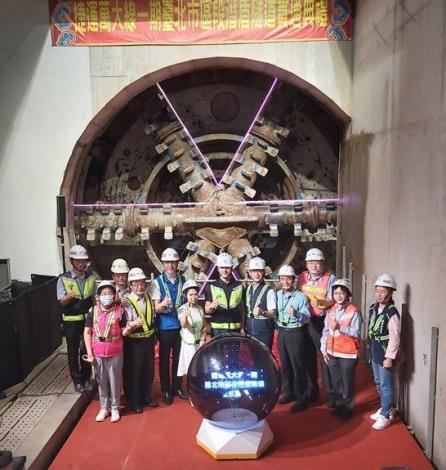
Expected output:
(273, 230)
(106, 234)
(161, 148)
(297, 229)
(177, 153)
(171, 167)
(168, 233)
(145, 233)
(91, 234)
(119, 234)
(260, 170)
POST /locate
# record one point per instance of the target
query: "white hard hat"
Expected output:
(342, 282)
(170, 254)
(119, 266)
(286, 270)
(224, 260)
(189, 285)
(136, 274)
(314, 254)
(103, 284)
(78, 252)
(256, 263)
(386, 280)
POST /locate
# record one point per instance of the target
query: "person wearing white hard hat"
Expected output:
(224, 299)
(384, 339)
(260, 303)
(340, 347)
(139, 344)
(292, 319)
(75, 292)
(120, 269)
(193, 328)
(167, 296)
(105, 325)
(316, 283)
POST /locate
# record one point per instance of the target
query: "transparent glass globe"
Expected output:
(233, 381)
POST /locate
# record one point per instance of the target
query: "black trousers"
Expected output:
(315, 328)
(265, 338)
(139, 354)
(169, 341)
(291, 345)
(80, 370)
(342, 372)
(261, 330)
(221, 331)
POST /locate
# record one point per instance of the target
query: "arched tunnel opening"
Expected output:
(141, 184)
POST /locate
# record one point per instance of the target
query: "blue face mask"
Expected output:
(106, 300)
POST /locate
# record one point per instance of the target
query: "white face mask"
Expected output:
(106, 300)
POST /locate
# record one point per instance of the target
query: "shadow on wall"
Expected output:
(353, 192)
(23, 32)
(406, 362)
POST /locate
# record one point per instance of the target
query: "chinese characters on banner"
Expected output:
(111, 22)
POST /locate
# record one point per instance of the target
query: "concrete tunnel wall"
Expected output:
(393, 181)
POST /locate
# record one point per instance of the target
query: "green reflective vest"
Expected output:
(219, 295)
(72, 287)
(146, 317)
(378, 323)
(80, 304)
(249, 304)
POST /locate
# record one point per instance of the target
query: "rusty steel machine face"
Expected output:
(213, 159)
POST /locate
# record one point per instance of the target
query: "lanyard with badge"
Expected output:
(284, 318)
(194, 321)
(177, 302)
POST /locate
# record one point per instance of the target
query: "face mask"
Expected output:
(106, 300)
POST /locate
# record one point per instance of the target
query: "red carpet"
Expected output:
(164, 438)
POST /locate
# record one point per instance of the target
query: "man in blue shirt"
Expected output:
(167, 298)
(293, 316)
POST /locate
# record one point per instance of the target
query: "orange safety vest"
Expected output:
(340, 344)
(318, 291)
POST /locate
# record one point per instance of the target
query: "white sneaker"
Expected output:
(103, 413)
(375, 416)
(381, 423)
(115, 417)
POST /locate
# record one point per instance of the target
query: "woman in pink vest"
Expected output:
(104, 327)
(340, 347)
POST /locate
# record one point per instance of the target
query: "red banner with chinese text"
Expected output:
(127, 22)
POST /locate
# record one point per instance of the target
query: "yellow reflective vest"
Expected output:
(228, 315)
(147, 329)
(235, 298)
(75, 310)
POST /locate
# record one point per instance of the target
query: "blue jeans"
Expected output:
(384, 384)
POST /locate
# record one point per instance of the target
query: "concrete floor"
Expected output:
(35, 408)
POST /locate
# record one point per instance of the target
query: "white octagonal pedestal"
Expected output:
(226, 444)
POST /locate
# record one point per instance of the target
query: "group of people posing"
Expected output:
(116, 325)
